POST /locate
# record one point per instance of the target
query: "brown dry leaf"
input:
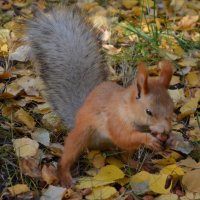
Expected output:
(175, 80)
(5, 75)
(111, 49)
(25, 147)
(56, 149)
(52, 122)
(97, 159)
(177, 4)
(42, 108)
(187, 22)
(177, 96)
(24, 117)
(14, 88)
(192, 195)
(167, 197)
(188, 164)
(49, 174)
(191, 180)
(30, 167)
(29, 85)
(18, 189)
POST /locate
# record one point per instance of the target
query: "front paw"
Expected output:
(153, 143)
(65, 178)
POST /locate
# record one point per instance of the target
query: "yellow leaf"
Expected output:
(102, 193)
(109, 173)
(167, 160)
(128, 4)
(96, 158)
(140, 177)
(4, 48)
(173, 170)
(157, 184)
(25, 147)
(150, 182)
(18, 189)
(89, 182)
(123, 181)
(147, 3)
(25, 118)
(190, 106)
(193, 78)
(114, 161)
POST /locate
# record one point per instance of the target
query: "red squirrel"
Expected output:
(100, 113)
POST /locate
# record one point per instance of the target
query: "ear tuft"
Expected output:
(141, 77)
(166, 73)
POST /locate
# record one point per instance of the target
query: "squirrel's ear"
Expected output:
(141, 77)
(166, 73)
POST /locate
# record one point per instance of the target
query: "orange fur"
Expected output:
(113, 115)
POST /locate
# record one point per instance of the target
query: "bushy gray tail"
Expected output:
(67, 52)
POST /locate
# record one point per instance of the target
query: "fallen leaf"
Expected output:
(191, 180)
(179, 144)
(189, 164)
(173, 170)
(18, 189)
(97, 159)
(109, 173)
(25, 147)
(90, 182)
(193, 78)
(30, 167)
(177, 96)
(53, 193)
(49, 174)
(187, 22)
(190, 106)
(21, 54)
(102, 193)
(167, 197)
(41, 135)
(114, 161)
(24, 117)
(128, 4)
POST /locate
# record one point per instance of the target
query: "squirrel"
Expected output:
(100, 113)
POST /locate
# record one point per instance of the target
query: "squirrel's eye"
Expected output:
(149, 112)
